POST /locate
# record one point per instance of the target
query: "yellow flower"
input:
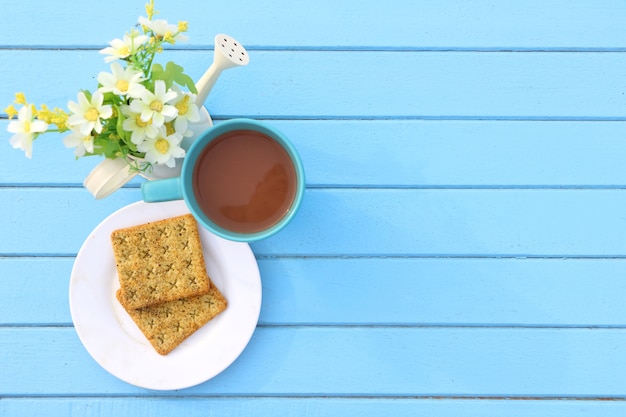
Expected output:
(11, 111)
(169, 38)
(60, 119)
(169, 128)
(20, 98)
(160, 27)
(187, 111)
(43, 114)
(25, 129)
(183, 26)
(56, 117)
(163, 149)
(83, 143)
(150, 9)
(122, 48)
(87, 115)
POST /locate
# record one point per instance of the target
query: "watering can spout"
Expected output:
(228, 53)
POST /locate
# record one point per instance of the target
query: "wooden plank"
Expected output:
(457, 292)
(280, 23)
(295, 84)
(354, 361)
(363, 222)
(510, 223)
(41, 282)
(357, 407)
(39, 218)
(424, 292)
(403, 153)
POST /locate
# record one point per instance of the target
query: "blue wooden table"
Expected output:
(460, 247)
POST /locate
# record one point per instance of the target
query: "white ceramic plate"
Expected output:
(116, 343)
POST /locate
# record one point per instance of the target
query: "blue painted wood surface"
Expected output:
(461, 246)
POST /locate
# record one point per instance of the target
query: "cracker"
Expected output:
(167, 325)
(159, 261)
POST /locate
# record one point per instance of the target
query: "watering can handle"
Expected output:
(108, 176)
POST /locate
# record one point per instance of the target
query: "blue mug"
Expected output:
(190, 184)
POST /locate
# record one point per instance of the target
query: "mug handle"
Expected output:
(108, 176)
(162, 190)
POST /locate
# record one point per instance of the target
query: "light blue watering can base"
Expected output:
(162, 190)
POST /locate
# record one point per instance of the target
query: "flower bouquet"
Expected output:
(140, 110)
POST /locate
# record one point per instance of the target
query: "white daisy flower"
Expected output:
(121, 81)
(123, 48)
(139, 129)
(163, 149)
(156, 106)
(87, 115)
(188, 111)
(162, 28)
(24, 129)
(82, 143)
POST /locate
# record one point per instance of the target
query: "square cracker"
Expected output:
(159, 261)
(167, 325)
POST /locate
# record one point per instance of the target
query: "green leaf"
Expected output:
(131, 146)
(87, 94)
(104, 146)
(186, 81)
(158, 73)
(173, 73)
(97, 150)
(111, 98)
(119, 127)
